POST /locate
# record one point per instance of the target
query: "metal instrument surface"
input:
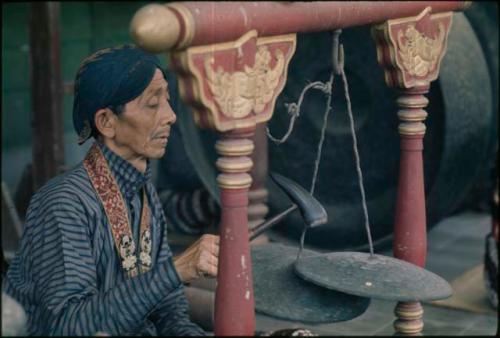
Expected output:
(376, 276)
(280, 293)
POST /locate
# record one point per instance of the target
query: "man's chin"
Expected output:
(157, 154)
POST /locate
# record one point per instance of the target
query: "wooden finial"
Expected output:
(155, 28)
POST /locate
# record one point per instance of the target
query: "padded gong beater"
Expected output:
(280, 293)
(374, 276)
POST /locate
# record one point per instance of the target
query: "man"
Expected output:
(94, 255)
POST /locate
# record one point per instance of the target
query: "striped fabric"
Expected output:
(68, 276)
(189, 212)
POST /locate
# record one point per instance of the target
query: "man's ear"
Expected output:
(105, 122)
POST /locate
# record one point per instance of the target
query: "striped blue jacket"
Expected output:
(67, 274)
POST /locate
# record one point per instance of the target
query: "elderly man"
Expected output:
(94, 255)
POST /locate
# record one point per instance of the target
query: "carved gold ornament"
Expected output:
(238, 93)
(419, 53)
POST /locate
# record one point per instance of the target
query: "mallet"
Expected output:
(311, 210)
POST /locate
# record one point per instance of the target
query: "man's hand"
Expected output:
(199, 260)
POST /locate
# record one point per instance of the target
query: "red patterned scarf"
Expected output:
(116, 211)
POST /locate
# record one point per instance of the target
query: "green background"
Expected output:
(84, 28)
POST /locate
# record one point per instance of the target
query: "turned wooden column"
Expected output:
(410, 226)
(234, 281)
(410, 51)
(257, 195)
(410, 240)
(232, 87)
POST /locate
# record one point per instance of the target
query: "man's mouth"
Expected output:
(162, 136)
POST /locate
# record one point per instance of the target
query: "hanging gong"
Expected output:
(280, 293)
(374, 276)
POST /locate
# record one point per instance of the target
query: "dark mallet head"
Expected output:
(312, 211)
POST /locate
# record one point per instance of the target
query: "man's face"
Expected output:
(142, 130)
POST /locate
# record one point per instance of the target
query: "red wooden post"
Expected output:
(410, 240)
(232, 87)
(234, 301)
(410, 227)
(257, 195)
(410, 51)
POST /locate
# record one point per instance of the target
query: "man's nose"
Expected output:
(168, 116)
(173, 116)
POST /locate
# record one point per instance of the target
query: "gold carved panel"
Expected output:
(235, 84)
(411, 49)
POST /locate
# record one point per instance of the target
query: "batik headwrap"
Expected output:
(108, 78)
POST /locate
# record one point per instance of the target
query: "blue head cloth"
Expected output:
(108, 78)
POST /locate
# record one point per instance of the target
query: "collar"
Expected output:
(129, 179)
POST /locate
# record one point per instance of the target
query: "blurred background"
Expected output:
(460, 144)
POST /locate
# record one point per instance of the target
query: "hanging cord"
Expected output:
(329, 84)
(358, 165)
(338, 68)
(294, 110)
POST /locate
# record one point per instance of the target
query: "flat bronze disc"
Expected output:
(376, 276)
(280, 293)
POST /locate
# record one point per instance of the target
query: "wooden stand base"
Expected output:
(409, 320)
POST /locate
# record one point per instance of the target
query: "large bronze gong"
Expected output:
(280, 293)
(374, 276)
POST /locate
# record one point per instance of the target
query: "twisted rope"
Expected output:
(294, 110)
(358, 162)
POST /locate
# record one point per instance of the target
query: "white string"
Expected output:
(327, 88)
(328, 85)
(294, 110)
(358, 165)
